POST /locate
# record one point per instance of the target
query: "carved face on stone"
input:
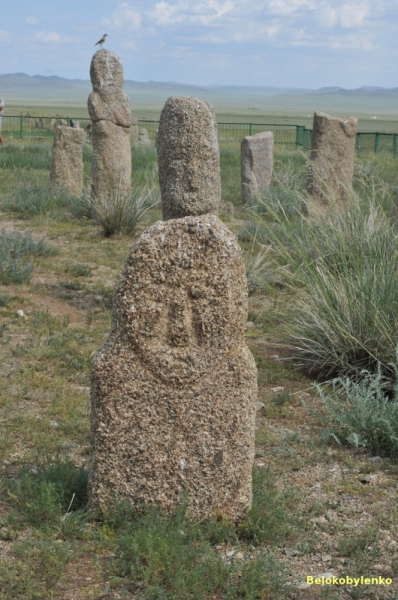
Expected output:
(182, 298)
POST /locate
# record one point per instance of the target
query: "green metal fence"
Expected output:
(299, 136)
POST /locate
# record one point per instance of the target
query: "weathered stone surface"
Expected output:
(331, 168)
(66, 171)
(111, 160)
(257, 160)
(108, 100)
(143, 138)
(109, 109)
(188, 158)
(174, 387)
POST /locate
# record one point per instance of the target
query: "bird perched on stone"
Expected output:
(102, 40)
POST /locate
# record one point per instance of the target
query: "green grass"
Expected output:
(48, 532)
(15, 249)
(168, 556)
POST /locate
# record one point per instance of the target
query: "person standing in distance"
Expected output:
(2, 104)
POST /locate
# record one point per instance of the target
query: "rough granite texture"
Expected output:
(331, 167)
(66, 172)
(109, 109)
(257, 160)
(174, 387)
(188, 158)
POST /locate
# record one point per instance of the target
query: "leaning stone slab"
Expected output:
(174, 387)
(109, 109)
(66, 172)
(331, 166)
(257, 159)
(188, 158)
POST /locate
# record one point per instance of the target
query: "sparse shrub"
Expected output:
(364, 413)
(174, 557)
(14, 247)
(78, 270)
(32, 198)
(33, 568)
(44, 495)
(343, 268)
(4, 299)
(121, 213)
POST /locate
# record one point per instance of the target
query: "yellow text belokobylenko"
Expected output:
(355, 581)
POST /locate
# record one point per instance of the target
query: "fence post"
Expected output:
(394, 145)
(20, 126)
(358, 143)
(377, 142)
(250, 128)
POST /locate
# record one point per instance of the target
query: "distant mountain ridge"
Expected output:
(22, 88)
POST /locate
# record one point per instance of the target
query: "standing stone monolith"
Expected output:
(174, 387)
(331, 166)
(66, 172)
(256, 161)
(143, 137)
(109, 109)
(188, 158)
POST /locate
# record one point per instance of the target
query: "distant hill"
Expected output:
(21, 88)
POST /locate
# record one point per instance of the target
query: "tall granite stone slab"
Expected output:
(174, 387)
(188, 158)
(109, 109)
(331, 166)
(66, 172)
(257, 161)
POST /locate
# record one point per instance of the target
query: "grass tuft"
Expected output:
(121, 213)
(362, 414)
(14, 247)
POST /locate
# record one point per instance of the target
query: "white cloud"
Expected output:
(51, 36)
(353, 15)
(122, 16)
(166, 14)
(200, 13)
(287, 7)
(31, 21)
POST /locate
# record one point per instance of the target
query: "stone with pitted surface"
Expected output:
(257, 161)
(188, 158)
(109, 109)
(66, 172)
(174, 387)
(331, 166)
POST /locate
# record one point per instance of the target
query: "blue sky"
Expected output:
(283, 43)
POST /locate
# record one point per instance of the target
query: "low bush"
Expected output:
(14, 248)
(362, 414)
